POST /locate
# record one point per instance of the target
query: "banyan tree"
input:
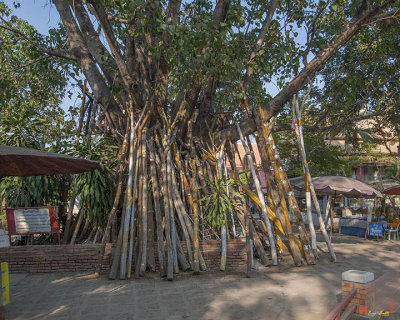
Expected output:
(176, 85)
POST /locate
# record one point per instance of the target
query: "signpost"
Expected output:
(23, 221)
(5, 289)
(375, 229)
(5, 286)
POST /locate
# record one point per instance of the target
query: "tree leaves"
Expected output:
(218, 203)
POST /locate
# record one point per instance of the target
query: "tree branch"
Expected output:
(276, 104)
(88, 66)
(259, 42)
(65, 54)
(115, 50)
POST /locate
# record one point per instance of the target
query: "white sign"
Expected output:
(32, 220)
(4, 241)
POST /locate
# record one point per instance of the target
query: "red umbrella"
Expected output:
(31, 162)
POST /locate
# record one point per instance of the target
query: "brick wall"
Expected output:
(364, 298)
(236, 254)
(83, 257)
(53, 258)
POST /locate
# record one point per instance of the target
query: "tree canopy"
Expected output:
(192, 58)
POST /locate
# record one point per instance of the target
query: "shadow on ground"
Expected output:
(283, 292)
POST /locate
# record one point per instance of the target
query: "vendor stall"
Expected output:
(357, 226)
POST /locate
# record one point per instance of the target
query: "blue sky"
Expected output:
(39, 13)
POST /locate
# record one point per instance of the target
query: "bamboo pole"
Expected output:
(188, 223)
(111, 215)
(261, 198)
(227, 192)
(151, 262)
(157, 209)
(180, 209)
(77, 225)
(184, 264)
(298, 219)
(238, 153)
(192, 195)
(300, 142)
(92, 231)
(96, 234)
(117, 250)
(264, 138)
(280, 181)
(164, 190)
(223, 227)
(248, 244)
(138, 245)
(284, 183)
(85, 228)
(273, 199)
(171, 212)
(130, 203)
(244, 210)
(312, 190)
(143, 262)
(132, 217)
(256, 239)
(69, 218)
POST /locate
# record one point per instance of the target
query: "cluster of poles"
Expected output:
(162, 219)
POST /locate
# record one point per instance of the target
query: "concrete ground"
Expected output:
(283, 292)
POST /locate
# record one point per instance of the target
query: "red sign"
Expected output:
(32, 220)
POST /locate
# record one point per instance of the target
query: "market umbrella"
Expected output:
(31, 162)
(342, 186)
(395, 191)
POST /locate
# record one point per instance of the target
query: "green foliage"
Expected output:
(219, 204)
(96, 189)
(32, 86)
(32, 191)
(29, 78)
(323, 158)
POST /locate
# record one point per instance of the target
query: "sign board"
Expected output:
(32, 220)
(5, 285)
(4, 241)
(375, 229)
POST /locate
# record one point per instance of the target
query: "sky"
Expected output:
(39, 13)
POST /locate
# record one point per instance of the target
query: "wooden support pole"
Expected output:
(261, 198)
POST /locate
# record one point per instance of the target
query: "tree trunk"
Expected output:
(85, 228)
(77, 225)
(130, 210)
(69, 218)
(157, 209)
(262, 201)
(117, 250)
(143, 262)
(164, 190)
(151, 262)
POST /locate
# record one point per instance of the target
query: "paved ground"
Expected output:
(283, 292)
(387, 293)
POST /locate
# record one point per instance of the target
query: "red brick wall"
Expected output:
(83, 257)
(364, 298)
(236, 254)
(53, 258)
